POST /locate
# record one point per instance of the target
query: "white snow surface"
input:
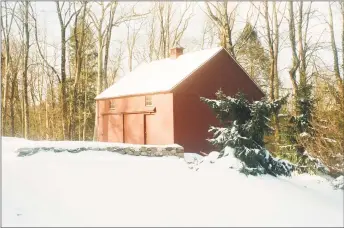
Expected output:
(160, 75)
(98, 188)
(338, 182)
(304, 134)
(79, 144)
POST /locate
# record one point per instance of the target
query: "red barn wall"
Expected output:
(132, 121)
(192, 118)
(101, 132)
(159, 125)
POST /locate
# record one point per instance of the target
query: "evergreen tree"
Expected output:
(243, 128)
(305, 108)
(299, 131)
(252, 56)
(85, 112)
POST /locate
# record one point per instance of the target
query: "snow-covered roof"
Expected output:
(160, 75)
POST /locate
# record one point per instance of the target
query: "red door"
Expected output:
(134, 129)
(102, 128)
(115, 128)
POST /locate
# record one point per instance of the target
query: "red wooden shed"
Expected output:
(159, 102)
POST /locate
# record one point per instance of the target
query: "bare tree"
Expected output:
(16, 58)
(305, 49)
(151, 39)
(166, 28)
(115, 22)
(272, 25)
(108, 35)
(342, 12)
(131, 40)
(64, 22)
(116, 64)
(48, 69)
(339, 96)
(224, 20)
(302, 67)
(208, 33)
(6, 29)
(276, 25)
(39, 49)
(85, 101)
(25, 69)
(340, 82)
(78, 58)
(98, 23)
(164, 15)
(271, 50)
(295, 61)
(272, 31)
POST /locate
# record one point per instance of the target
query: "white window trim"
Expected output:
(112, 105)
(151, 100)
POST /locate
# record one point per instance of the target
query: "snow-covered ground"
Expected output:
(97, 188)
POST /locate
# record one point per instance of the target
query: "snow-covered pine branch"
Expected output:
(246, 125)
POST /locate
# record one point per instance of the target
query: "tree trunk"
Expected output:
(95, 132)
(107, 43)
(99, 80)
(78, 63)
(6, 28)
(63, 85)
(25, 83)
(271, 53)
(79, 124)
(46, 119)
(12, 113)
(22, 115)
(52, 126)
(276, 50)
(63, 96)
(342, 11)
(302, 68)
(335, 59)
(33, 118)
(100, 66)
(276, 79)
(296, 62)
(5, 92)
(106, 59)
(85, 103)
(40, 132)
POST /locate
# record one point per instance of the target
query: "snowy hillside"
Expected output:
(98, 188)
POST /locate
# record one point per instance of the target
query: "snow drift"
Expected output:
(98, 188)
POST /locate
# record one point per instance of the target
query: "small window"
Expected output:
(112, 105)
(148, 101)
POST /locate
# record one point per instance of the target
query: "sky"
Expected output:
(48, 22)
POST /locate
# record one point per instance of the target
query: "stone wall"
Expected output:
(136, 150)
(154, 151)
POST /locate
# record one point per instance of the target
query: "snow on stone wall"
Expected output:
(338, 183)
(136, 150)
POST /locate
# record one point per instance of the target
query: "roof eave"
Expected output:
(133, 95)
